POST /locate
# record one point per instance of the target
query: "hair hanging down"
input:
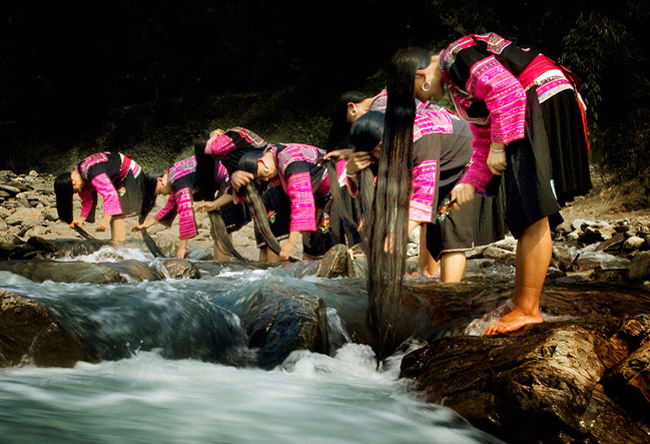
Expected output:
(388, 229)
(219, 232)
(258, 214)
(340, 210)
(365, 135)
(149, 193)
(340, 126)
(63, 191)
(205, 170)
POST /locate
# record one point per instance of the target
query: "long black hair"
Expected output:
(365, 135)
(343, 224)
(340, 125)
(63, 191)
(205, 170)
(149, 192)
(389, 222)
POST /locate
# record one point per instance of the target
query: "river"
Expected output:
(174, 368)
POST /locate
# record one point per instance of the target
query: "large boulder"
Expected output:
(640, 266)
(29, 335)
(551, 383)
(337, 262)
(70, 272)
(278, 323)
(177, 268)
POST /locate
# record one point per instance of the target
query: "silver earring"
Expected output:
(353, 112)
(426, 88)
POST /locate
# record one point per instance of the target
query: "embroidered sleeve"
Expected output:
(88, 197)
(478, 173)
(426, 157)
(167, 213)
(303, 207)
(103, 185)
(219, 146)
(186, 223)
(424, 190)
(504, 97)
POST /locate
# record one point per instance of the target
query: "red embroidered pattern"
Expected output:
(424, 190)
(105, 187)
(90, 161)
(303, 207)
(182, 168)
(431, 120)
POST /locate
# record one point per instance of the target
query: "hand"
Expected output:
(204, 206)
(335, 155)
(145, 224)
(241, 178)
(358, 161)
(138, 227)
(496, 161)
(287, 249)
(216, 133)
(77, 222)
(463, 193)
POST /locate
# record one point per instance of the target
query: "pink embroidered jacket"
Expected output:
(182, 177)
(229, 147)
(303, 180)
(441, 150)
(103, 173)
(484, 76)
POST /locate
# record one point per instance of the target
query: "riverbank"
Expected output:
(591, 355)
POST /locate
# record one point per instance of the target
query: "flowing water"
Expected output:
(174, 368)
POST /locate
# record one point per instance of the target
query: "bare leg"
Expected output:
(220, 252)
(268, 256)
(182, 248)
(452, 266)
(118, 231)
(429, 266)
(534, 250)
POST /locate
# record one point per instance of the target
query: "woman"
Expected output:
(179, 182)
(296, 168)
(125, 189)
(441, 150)
(238, 149)
(528, 123)
(351, 106)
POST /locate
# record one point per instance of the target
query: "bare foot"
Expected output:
(415, 274)
(513, 321)
(435, 275)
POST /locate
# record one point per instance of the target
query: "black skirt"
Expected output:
(317, 243)
(235, 216)
(131, 194)
(549, 166)
(479, 222)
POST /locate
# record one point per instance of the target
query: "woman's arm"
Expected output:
(146, 224)
(222, 200)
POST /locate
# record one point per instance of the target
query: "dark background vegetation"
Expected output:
(146, 78)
